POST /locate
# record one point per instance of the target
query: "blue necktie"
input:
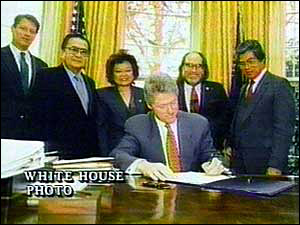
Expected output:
(82, 93)
(24, 72)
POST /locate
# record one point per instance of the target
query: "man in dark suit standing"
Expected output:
(207, 98)
(263, 123)
(65, 98)
(165, 140)
(18, 75)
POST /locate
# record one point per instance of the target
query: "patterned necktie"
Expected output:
(81, 91)
(172, 151)
(24, 72)
(194, 104)
(250, 92)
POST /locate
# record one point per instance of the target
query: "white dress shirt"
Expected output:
(17, 55)
(188, 91)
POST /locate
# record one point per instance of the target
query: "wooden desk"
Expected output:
(121, 203)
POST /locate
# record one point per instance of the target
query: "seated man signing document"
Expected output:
(166, 140)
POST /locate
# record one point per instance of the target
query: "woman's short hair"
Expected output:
(119, 58)
(158, 84)
(181, 79)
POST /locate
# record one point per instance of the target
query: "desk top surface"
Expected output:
(130, 202)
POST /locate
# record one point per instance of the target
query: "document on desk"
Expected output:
(196, 178)
(242, 184)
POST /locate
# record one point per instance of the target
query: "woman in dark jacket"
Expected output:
(120, 101)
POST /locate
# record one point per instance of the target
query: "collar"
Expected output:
(260, 76)
(17, 51)
(72, 74)
(198, 86)
(162, 124)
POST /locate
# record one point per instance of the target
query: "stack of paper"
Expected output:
(94, 163)
(18, 156)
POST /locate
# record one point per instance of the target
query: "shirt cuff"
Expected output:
(132, 169)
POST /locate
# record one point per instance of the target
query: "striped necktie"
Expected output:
(24, 72)
(194, 104)
(172, 151)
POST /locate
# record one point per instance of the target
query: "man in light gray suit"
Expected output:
(145, 148)
(264, 120)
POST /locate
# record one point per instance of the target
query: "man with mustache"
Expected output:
(207, 98)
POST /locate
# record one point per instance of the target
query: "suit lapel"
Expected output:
(203, 99)
(33, 71)
(68, 89)
(258, 95)
(122, 108)
(155, 140)
(239, 103)
(185, 137)
(181, 97)
(138, 99)
(13, 68)
(89, 91)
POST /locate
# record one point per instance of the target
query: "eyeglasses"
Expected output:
(249, 63)
(191, 66)
(74, 51)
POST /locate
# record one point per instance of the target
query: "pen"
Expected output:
(50, 153)
(157, 185)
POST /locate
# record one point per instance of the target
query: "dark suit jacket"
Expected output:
(262, 130)
(214, 106)
(142, 140)
(67, 127)
(17, 121)
(113, 112)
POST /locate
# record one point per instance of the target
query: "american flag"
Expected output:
(78, 22)
(237, 79)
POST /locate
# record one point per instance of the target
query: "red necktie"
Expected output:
(250, 93)
(172, 151)
(194, 104)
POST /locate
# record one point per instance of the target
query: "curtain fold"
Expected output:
(105, 25)
(57, 16)
(265, 22)
(214, 34)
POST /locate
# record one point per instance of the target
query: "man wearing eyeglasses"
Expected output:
(264, 120)
(18, 75)
(166, 140)
(65, 98)
(207, 98)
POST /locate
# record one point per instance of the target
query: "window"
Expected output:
(292, 40)
(9, 10)
(158, 35)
